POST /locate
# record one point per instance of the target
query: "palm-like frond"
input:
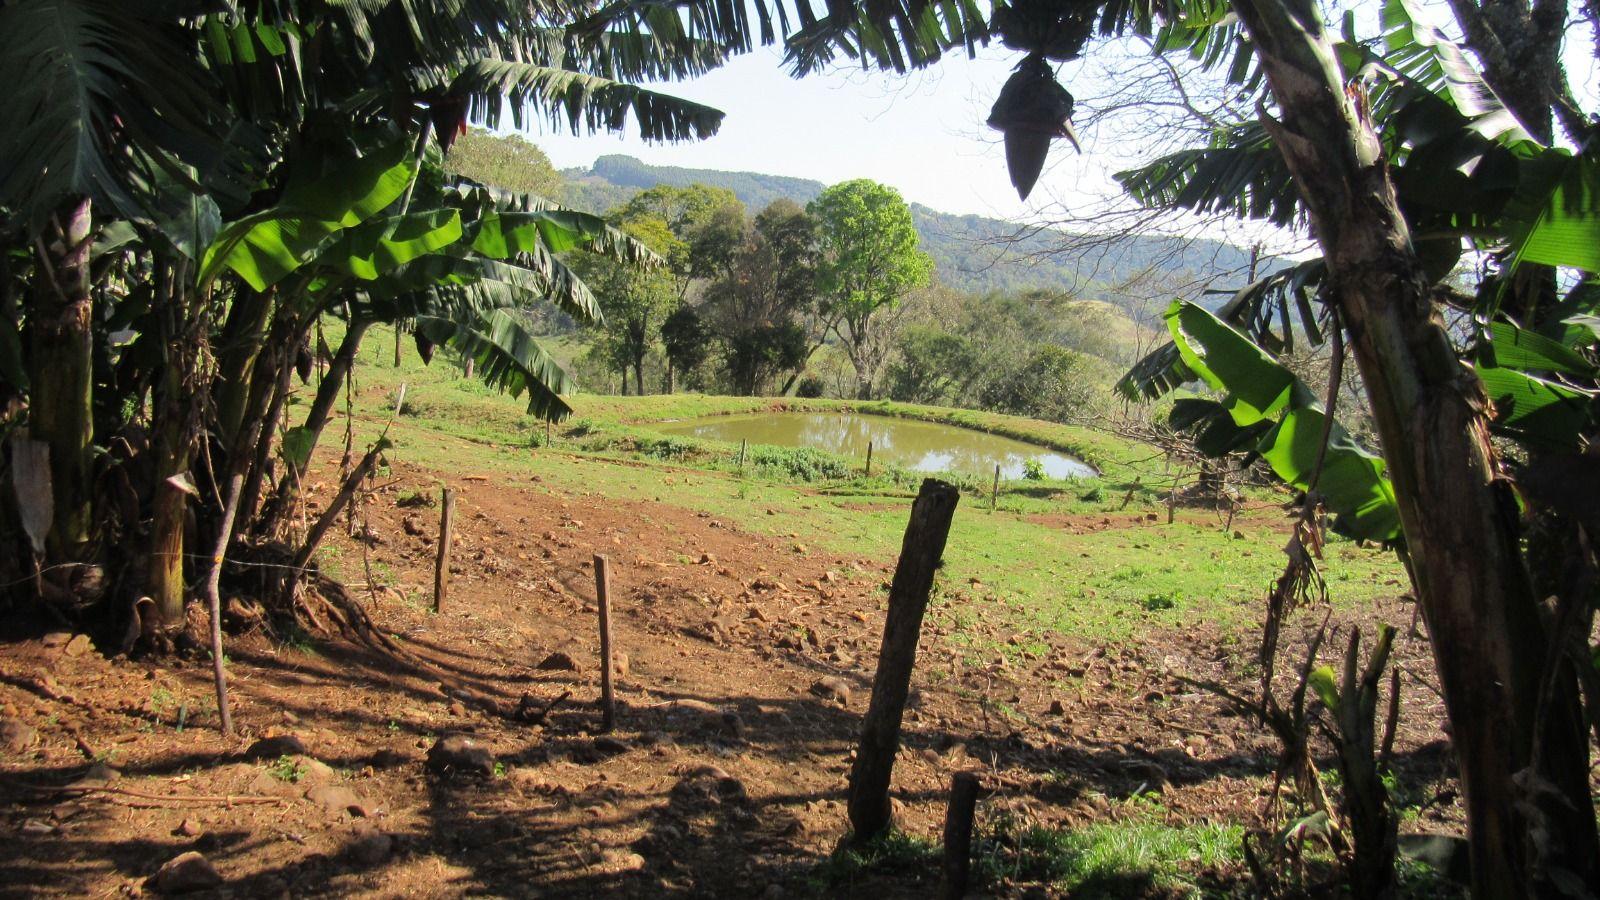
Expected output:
(96, 91)
(471, 319)
(1269, 311)
(1240, 174)
(491, 86)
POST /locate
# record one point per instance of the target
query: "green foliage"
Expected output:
(1257, 390)
(287, 769)
(1107, 859)
(869, 247)
(1051, 383)
(510, 162)
(892, 853)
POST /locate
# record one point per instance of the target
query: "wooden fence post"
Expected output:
(602, 591)
(994, 492)
(441, 566)
(958, 836)
(920, 554)
(869, 459)
(741, 456)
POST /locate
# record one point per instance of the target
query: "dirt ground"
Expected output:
(748, 665)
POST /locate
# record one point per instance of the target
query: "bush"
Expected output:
(811, 387)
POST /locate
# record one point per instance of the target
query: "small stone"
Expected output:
(457, 708)
(17, 737)
(831, 688)
(78, 646)
(186, 872)
(276, 746)
(558, 662)
(56, 639)
(610, 745)
(339, 800)
(458, 753)
(1057, 708)
(37, 828)
(188, 828)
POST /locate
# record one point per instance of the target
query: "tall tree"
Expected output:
(634, 302)
(870, 261)
(765, 278)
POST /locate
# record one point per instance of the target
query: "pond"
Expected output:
(908, 443)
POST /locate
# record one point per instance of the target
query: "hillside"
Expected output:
(972, 253)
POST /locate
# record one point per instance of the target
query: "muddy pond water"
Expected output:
(910, 444)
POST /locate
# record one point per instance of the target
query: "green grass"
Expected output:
(1031, 570)
(1109, 859)
(893, 853)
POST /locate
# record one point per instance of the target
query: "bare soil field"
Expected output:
(748, 665)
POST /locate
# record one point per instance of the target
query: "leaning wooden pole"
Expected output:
(214, 600)
(920, 554)
(869, 459)
(958, 836)
(602, 591)
(441, 564)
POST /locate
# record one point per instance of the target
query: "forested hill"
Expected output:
(972, 253)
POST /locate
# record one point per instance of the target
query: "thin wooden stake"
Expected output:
(331, 514)
(958, 836)
(741, 456)
(994, 492)
(547, 432)
(602, 591)
(869, 459)
(214, 600)
(441, 567)
(920, 554)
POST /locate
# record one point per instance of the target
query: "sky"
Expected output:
(922, 133)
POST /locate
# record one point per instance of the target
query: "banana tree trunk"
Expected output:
(61, 376)
(243, 336)
(1530, 822)
(175, 421)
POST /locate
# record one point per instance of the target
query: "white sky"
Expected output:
(922, 133)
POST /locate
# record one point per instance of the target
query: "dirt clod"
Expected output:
(458, 753)
(831, 688)
(185, 873)
(17, 737)
(276, 746)
(558, 662)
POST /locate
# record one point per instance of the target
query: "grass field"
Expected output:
(1059, 555)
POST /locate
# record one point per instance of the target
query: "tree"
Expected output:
(870, 261)
(510, 162)
(635, 302)
(1052, 383)
(765, 278)
(182, 172)
(686, 341)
